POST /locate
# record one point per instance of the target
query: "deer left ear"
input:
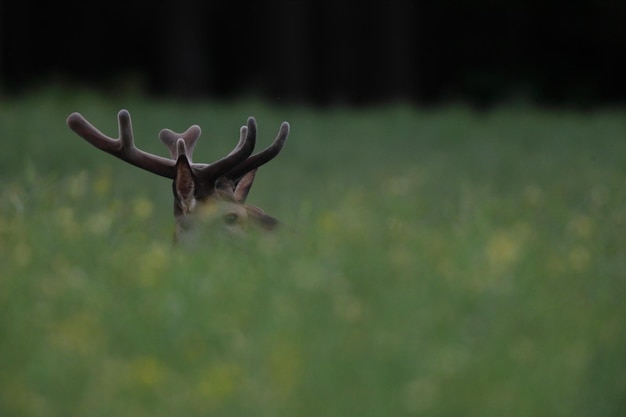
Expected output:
(184, 185)
(243, 187)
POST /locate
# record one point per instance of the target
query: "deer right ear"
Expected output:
(243, 186)
(184, 183)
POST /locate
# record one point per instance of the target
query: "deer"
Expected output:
(205, 194)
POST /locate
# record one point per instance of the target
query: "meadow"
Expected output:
(432, 262)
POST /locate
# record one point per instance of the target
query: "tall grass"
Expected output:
(435, 262)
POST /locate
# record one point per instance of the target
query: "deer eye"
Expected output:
(230, 218)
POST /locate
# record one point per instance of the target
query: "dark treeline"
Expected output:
(551, 51)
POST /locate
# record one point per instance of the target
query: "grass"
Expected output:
(435, 262)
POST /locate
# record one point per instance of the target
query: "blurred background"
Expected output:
(453, 192)
(552, 52)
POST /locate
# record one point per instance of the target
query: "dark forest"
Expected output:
(552, 52)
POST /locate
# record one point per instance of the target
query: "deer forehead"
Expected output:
(215, 207)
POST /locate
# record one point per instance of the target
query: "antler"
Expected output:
(260, 158)
(233, 166)
(189, 137)
(123, 147)
(244, 148)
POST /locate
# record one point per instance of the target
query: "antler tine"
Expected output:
(243, 133)
(182, 149)
(190, 136)
(262, 157)
(123, 147)
(244, 148)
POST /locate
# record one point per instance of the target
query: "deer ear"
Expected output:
(184, 185)
(243, 186)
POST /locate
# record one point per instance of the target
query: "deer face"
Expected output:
(218, 216)
(207, 197)
(223, 208)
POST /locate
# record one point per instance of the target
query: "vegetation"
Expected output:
(435, 262)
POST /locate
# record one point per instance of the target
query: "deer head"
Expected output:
(204, 194)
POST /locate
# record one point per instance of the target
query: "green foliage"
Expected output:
(432, 262)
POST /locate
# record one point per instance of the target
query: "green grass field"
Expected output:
(433, 262)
